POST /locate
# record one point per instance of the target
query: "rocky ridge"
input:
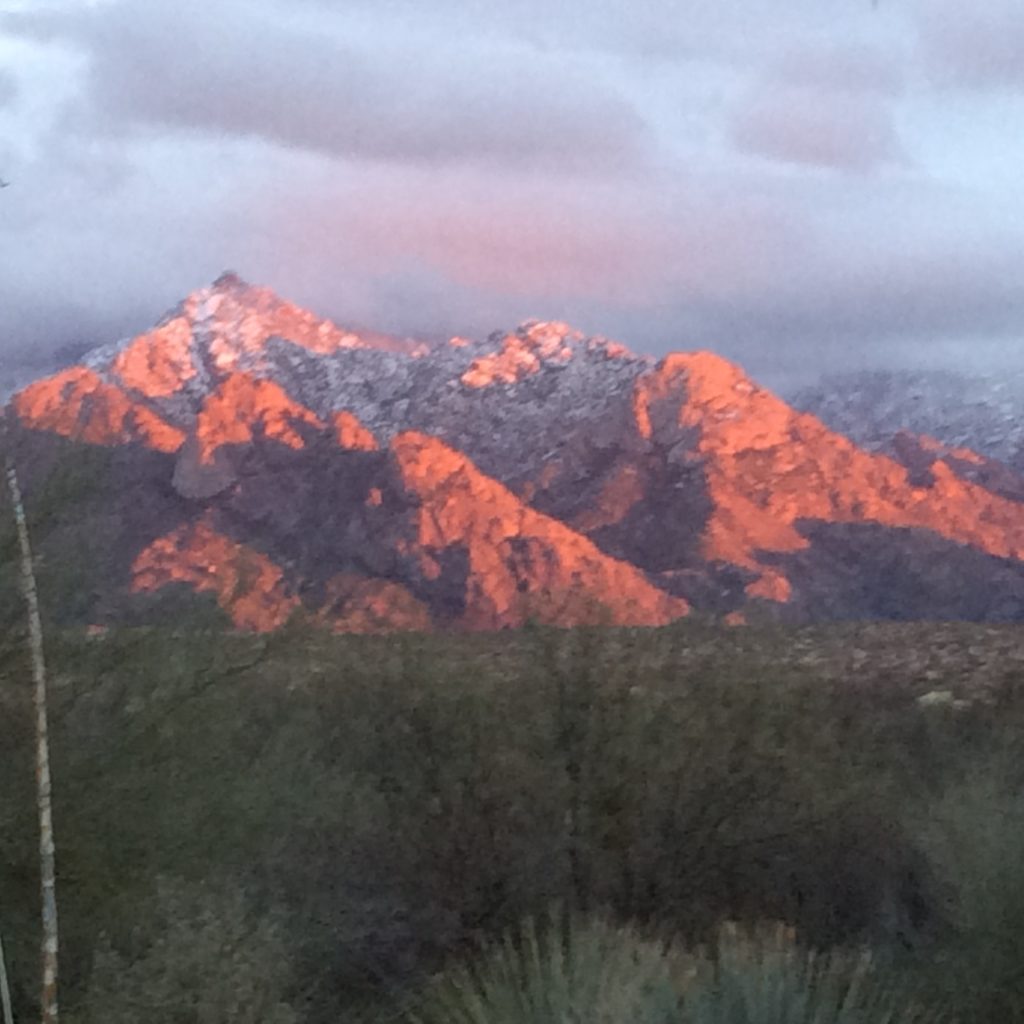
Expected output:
(537, 473)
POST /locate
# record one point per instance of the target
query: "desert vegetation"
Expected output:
(681, 824)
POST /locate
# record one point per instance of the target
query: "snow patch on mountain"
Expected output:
(985, 414)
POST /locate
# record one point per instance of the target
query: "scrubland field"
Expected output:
(305, 827)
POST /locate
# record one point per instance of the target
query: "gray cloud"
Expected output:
(673, 172)
(839, 68)
(977, 46)
(232, 70)
(826, 105)
(836, 129)
(8, 88)
(647, 30)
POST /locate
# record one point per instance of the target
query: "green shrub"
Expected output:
(402, 800)
(201, 958)
(592, 971)
(973, 838)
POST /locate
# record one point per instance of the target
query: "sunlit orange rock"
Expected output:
(243, 405)
(943, 451)
(522, 353)
(352, 434)
(247, 584)
(767, 467)
(77, 403)
(158, 363)
(772, 586)
(522, 564)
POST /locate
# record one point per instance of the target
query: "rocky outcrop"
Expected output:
(78, 404)
(415, 537)
(247, 584)
(526, 351)
(241, 407)
(769, 469)
(521, 564)
(351, 434)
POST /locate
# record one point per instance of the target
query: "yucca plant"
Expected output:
(591, 972)
(763, 976)
(602, 974)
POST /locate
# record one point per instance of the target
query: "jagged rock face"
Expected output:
(535, 474)
(247, 584)
(77, 403)
(770, 470)
(409, 537)
(521, 564)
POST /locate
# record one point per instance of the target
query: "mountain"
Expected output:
(274, 462)
(984, 414)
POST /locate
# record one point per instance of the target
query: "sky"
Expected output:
(804, 186)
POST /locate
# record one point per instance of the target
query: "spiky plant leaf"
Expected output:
(595, 973)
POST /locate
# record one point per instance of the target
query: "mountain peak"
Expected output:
(220, 329)
(230, 281)
(701, 386)
(535, 344)
(548, 335)
(557, 339)
(230, 288)
(707, 370)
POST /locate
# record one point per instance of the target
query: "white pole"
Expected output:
(44, 799)
(5, 991)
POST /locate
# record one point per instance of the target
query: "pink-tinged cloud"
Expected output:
(538, 246)
(974, 45)
(831, 129)
(542, 238)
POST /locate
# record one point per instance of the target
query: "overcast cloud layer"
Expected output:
(802, 186)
